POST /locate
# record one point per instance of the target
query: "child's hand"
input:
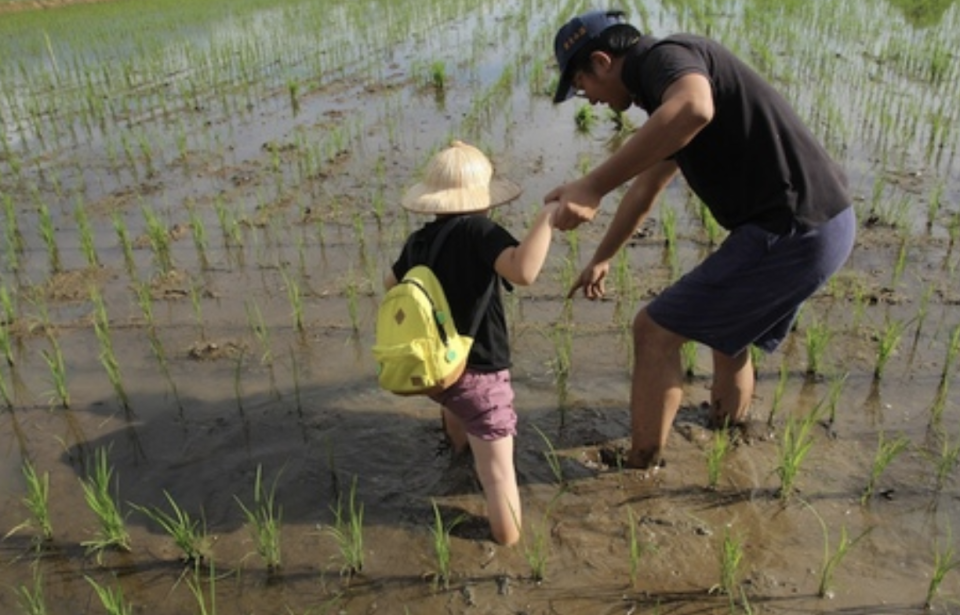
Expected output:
(551, 211)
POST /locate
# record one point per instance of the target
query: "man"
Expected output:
(747, 155)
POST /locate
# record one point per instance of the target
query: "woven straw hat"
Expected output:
(459, 180)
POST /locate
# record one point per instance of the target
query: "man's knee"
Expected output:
(647, 333)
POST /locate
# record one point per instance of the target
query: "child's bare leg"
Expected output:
(456, 432)
(494, 463)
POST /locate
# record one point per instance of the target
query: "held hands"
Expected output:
(577, 204)
(591, 281)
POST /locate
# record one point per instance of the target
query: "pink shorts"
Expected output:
(484, 402)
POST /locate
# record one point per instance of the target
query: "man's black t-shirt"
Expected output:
(756, 161)
(464, 267)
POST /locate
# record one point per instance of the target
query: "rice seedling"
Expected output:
(953, 351)
(887, 343)
(360, 234)
(668, 225)
(778, 392)
(562, 338)
(945, 559)
(887, 451)
(238, 380)
(189, 534)
(637, 548)
(111, 598)
(6, 344)
(6, 304)
(31, 600)
(817, 338)
(226, 221)
(536, 548)
(441, 546)
(293, 90)
(49, 236)
(295, 296)
(553, 461)
(622, 279)
(688, 352)
(731, 558)
(901, 261)
(5, 393)
(87, 244)
(265, 517)
(58, 372)
(716, 455)
(710, 225)
(130, 156)
(347, 531)
(922, 310)
(623, 126)
(831, 560)
(934, 204)
(199, 233)
(944, 463)
(795, 442)
(37, 503)
(837, 383)
(159, 238)
(195, 583)
(107, 356)
(260, 330)
(96, 486)
(353, 304)
(13, 237)
(126, 245)
(196, 304)
(438, 75)
(585, 118)
(756, 358)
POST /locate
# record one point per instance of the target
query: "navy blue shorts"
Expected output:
(750, 289)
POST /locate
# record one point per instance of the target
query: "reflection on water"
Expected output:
(271, 141)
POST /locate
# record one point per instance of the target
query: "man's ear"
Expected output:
(601, 61)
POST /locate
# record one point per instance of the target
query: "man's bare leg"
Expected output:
(656, 389)
(732, 390)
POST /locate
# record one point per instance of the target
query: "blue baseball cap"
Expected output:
(572, 37)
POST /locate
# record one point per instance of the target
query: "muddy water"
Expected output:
(246, 390)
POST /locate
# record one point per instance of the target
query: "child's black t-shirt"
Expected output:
(465, 266)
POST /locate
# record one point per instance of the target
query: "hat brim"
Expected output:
(423, 199)
(564, 88)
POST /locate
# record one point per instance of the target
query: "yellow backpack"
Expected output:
(418, 349)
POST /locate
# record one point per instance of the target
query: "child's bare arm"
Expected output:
(521, 264)
(389, 280)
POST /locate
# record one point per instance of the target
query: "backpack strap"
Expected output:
(487, 294)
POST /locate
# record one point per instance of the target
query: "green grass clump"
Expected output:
(347, 531)
(189, 534)
(97, 493)
(265, 518)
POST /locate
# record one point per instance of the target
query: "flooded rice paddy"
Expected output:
(199, 201)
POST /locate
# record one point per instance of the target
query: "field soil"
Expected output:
(238, 390)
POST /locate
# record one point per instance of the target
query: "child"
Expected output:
(478, 409)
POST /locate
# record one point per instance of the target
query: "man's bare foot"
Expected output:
(645, 459)
(619, 457)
